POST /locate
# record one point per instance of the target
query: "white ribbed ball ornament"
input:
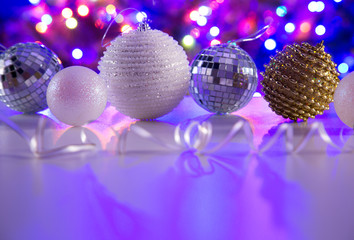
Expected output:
(147, 73)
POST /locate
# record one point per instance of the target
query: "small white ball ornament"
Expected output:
(147, 73)
(77, 95)
(344, 100)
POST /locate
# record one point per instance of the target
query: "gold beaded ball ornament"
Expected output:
(299, 82)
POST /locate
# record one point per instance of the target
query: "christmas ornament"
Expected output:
(299, 82)
(147, 73)
(77, 95)
(25, 72)
(224, 78)
(344, 100)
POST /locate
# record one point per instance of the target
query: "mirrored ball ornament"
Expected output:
(77, 95)
(224, 78)
(25, 72)
(147, 73)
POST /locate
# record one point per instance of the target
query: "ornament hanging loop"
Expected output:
(143, 26)
(110, 24)
(2, 48)
(252, 37)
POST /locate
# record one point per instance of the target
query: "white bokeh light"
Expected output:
(270, 44)
(320, 30)
(202, 21)
(140, 16)
(214, 31)
(77, 53)
(289, 27)
(204, 11)
(188, 41)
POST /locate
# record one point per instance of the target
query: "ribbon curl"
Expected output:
(288, 130)
(35, 143)
(195, 137)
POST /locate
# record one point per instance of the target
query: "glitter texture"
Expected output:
(147, 73)
(224, 78)
(299, 82)
(25, 72)
(77, 95)
(344, 100)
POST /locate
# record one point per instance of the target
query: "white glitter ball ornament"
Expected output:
(344, 100)
(147, 73)
(77, 95)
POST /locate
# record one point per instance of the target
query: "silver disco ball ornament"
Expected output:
(25, 72)
(224, 78)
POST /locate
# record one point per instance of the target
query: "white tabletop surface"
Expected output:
(153, 192)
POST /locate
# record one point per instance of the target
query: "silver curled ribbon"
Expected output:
(195, 137)
(287, 129)
(36, 145)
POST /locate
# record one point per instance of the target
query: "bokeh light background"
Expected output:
(74, 29)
